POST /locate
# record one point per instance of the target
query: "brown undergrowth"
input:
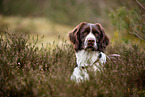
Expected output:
(26, 70)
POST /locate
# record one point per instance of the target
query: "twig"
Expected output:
(112, 56)
(137, 36)
(135, 32)
(140, 4)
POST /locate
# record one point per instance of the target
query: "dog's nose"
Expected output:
(91, 41)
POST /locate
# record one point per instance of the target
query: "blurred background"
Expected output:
(123, 20)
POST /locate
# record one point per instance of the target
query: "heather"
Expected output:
(37, 58)
(27, 70)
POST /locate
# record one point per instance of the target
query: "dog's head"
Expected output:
(89, 36)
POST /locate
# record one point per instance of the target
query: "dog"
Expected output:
(89, 42)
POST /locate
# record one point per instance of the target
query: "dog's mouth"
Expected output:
(91, 47)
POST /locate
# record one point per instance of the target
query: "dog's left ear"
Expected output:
(104, 40)
(74, 35)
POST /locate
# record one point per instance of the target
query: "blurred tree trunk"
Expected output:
(1, 6)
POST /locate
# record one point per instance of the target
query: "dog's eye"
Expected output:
(96, 33)
(85, 32)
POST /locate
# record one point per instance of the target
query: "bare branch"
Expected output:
(137, 36)
(140, 4)
(135, 32)
(112, 56)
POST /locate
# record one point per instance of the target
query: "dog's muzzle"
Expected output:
(90, 42)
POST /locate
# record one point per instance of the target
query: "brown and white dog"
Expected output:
(89, 42)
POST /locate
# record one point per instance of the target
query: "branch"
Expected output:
(112, 56)
(140, 4)
(137, 36)
(135, 32)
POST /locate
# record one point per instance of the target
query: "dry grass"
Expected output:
(34, 26)
(28, 71)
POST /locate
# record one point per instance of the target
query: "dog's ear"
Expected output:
(74, 36)
(104, 40)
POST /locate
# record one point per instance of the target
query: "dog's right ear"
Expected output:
(74, 35)
(104, 40)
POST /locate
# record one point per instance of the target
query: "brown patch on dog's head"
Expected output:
(79, 33)
(74, 36)
(104, 40)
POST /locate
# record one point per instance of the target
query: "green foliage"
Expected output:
(26, 70)
(19, 7)
(130, 21)
(141, 1)
(64, 11)
(117, 18)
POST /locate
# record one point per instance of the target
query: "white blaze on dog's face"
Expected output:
(89, 36)
(90, 41)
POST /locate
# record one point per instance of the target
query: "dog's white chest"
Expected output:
(86, 58)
